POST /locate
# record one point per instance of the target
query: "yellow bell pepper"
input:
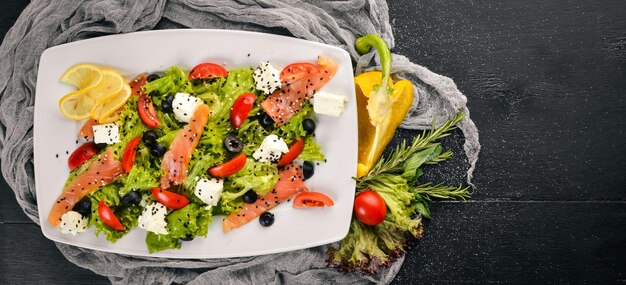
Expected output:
(373, 140)
(390, 107)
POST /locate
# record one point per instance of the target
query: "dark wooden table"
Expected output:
(546, 82)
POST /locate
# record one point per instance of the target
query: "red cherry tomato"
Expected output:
(147, 111)
(294, 151)
(312, 199)
(228, 168)
(207, 71)
(108, 218)
(370, 208)
(241, 108)
(297, 71)
(169, 199)
(82, 154)
(128, 158)
(136, 85)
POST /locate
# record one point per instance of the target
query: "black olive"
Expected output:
(166, 104)
(187, 238)
(308, 125)
(265, 120)
(308, 169)
(249, 197)
(152, 77)
(233, 144)
(158, 150)
(266, 219)
(131, 198)
(83, 207)
(149, 138)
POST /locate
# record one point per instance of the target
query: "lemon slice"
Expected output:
(83, 76)
(111, 118)
(107, 106)
(111, 84)
(77, 105)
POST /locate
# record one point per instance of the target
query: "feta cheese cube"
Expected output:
(184, 106)
(72, 222)
(152, 218)
(266, 78)
(271, 149)
(209, 190)
(107, 133)
(329, 104)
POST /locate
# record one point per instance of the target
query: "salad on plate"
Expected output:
(170, 150)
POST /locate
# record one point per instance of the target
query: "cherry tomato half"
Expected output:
(294, 151)
(108, 218)
(228, 168)
(128, 158)
(82, 154)
(169, 199)
(147, 113)
(241, 108)
(207, 71)
(297, 71)
(370, 208)
(312, 199)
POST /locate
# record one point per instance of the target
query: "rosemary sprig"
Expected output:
(395, 162)
(439, 191)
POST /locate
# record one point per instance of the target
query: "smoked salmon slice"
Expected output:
(289, 184)
(289, 99)
(102, 171)
(176, 160)
(86, 132)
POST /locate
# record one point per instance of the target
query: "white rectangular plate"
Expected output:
(156, 51)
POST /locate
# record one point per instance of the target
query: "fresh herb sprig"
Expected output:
(395, 162)
(439, 191)
(367, 249)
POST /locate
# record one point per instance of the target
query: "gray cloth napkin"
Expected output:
(46, 23)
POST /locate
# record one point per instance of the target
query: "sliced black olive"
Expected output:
(131, 198)
(158, 150)
(308, 125)
(152, 77)
(308, 169)
(187, 238)
(233, 144)
(83, 207)
(265, 120)
(166, 104)
(149, 138)
(249, 197)
(266, 219)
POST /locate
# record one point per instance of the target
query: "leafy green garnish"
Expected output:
(395, 177)
(191, 221)
(174, 81)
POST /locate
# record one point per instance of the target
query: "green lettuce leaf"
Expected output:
(139, 178)
(175, 80)
(127, 215)
(188, 222)
(312, 151)
(257, 176)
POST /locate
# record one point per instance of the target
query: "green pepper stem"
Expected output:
(365, 43)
